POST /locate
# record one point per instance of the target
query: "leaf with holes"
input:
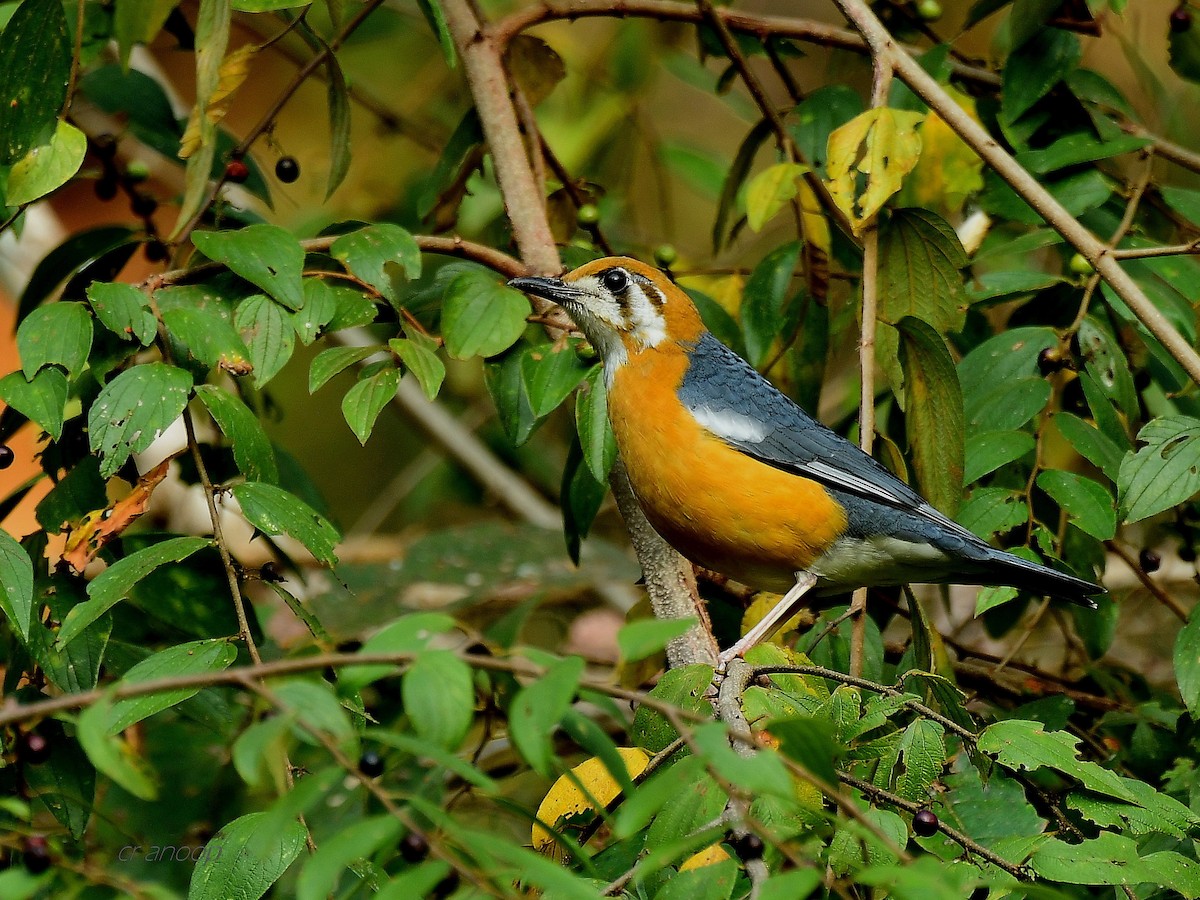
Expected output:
(56, 334)
(123, 310)
(881, 144)
(265, 255)
(374, 253)
(1163, 473)
(367, 399)
(274, 511)
(133, 410)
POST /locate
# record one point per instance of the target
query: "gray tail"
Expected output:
(1013, 571)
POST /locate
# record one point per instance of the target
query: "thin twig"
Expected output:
(1156, 590)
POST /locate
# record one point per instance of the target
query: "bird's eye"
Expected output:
(615, 280)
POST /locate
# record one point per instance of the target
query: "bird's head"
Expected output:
(621, 305)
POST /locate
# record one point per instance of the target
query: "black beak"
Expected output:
(553, 289)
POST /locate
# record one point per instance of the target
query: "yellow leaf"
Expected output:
(769, 190)
(881, 144)
(763, 604)
(948, 171)
(707, 857)
(231, 75)
(726, 290)
(816, 226)
(573, 794)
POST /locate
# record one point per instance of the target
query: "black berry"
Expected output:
(34, 748)
(6, 456)
(106, 188)
(414, 848)
(287, 169)
(1049, 361)
(1149, 560)
(156, 251)
(371, 764)
(925, 823)
(270, 572)
(1181, 19)
(36, 854)
(105, 145)
(143, 204)
(236, 171)
(747, 846)
(446, 886)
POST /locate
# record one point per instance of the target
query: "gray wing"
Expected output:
(737, 404)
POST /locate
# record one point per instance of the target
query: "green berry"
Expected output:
(665, 255)
(1079, 265)
(588, 214)
(137, 171)
(929, 10)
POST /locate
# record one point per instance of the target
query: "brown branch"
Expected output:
(668, 578)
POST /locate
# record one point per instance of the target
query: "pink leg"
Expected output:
(769, 624)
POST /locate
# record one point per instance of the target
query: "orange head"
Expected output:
(623, 306)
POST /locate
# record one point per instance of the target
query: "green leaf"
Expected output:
(274, 511)
(66, 782)
(934, 413)
(56, 334)
(736, 175)
(769, 190)
(439, 698)
(683, 687)
(988, 451)
(35, 64)
(46, 167)
(538, 708)
(645, 637)
(920, 259)
(993, 510)
(1049, 57)
(252, 450)
(1187, 663)
(320, 306)
(209, 338)
(480, 316)
(1090, 443)
(112, 755)
(138, 22)
(1021, 745)
(123, 310)
(315, 704)
(115, 583)
(596, 438)
(1113, 859)
(1184, 52)
(1165, 472)
(330, 362)
(1008, 405)
(809, 741)
(265, 255)
(339, 124)
(252, 858)
(42, 400)
(923, 754)
(367, 399)
(1087, 502)
(358, 841)
(419, 358)
(133, 410)
(16, 584)
(193, 658)
(763, 300)
(375, 252)
(77, 493)
(507, 389)
(407, 634)
(1075, 148)
(267, 331)
(550, 372)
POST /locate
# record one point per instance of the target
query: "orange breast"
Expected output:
(718, 507)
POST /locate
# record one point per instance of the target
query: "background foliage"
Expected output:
(262, 636)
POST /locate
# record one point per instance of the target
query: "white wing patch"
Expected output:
(730, 425)
(850, 481)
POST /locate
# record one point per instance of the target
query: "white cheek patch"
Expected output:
(730, 425)
(647, 324)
